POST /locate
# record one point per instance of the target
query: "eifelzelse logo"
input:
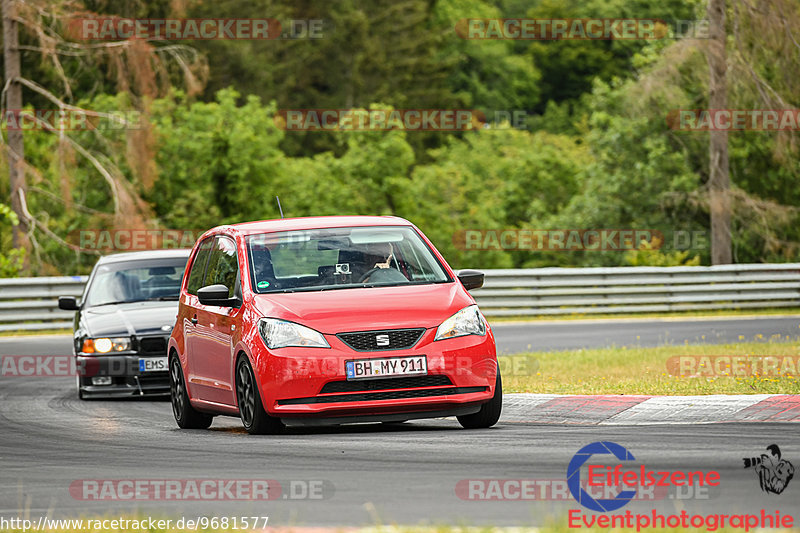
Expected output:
(627, 479)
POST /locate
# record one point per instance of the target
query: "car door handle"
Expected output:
(194, 320)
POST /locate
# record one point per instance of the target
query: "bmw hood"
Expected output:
(136, 318)
(362, 309)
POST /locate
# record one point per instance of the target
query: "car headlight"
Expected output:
(282, 333)
(468, 321)
(104, 345)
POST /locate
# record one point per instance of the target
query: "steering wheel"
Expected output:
(384, 275)
(367, 274)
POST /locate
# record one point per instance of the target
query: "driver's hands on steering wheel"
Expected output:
(379, 250)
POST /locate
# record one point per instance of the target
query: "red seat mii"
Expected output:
(329, 320)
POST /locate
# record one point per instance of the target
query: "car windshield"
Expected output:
(136, 281)
(341, 258)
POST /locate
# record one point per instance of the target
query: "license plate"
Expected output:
(386, 367)
(153, 364)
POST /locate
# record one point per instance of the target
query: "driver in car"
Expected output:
(380, 257)
(265, 272)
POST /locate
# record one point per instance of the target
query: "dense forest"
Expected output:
(575, 134)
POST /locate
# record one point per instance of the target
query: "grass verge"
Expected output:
(645, 371)
(33, 333)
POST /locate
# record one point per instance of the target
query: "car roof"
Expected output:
(146, 255)
(304, 223)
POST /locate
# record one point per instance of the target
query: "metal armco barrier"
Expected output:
(559, 291)
(31, 303)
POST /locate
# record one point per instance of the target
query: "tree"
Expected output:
(719, 179)
(16, 147)
(141, 71)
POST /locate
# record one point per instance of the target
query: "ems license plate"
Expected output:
(153, 364)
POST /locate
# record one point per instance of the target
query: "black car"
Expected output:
(123, 322)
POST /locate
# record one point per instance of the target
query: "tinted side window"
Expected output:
(199, 267)
(223, 266)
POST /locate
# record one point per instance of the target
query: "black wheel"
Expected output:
(251, 410)
(185, 415)
(490, 411)
(80, 392)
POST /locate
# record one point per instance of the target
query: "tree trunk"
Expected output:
(16, 147)
(719, 179)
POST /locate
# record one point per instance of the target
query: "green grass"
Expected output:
(641, 371)
(30, 333)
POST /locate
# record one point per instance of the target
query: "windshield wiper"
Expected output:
(308, 289)
(154, 299)
(320, 288)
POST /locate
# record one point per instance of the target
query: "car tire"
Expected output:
(490, 411)
(80, 391)
(251, 409)
(186, 416)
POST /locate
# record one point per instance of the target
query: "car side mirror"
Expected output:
(68, 303)
(471, 279)
(217, 295)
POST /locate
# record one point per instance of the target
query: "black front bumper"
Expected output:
(127, 379)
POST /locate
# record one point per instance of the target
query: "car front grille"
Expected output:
(365, 385)
(388, 395)
(379, 340)
(153, 346)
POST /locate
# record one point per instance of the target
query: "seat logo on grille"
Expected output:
(382, 340)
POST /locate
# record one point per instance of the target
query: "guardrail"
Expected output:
(31, 303)
(559, 291)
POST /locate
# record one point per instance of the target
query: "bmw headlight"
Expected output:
(468, 321)
(282, 333)
(104, 345)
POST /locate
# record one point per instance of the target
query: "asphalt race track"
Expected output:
(517, 337)
(408, 474)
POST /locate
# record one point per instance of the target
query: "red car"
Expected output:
(329, 320)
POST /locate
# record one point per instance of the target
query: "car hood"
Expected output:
(136, 318)
(362, 309)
